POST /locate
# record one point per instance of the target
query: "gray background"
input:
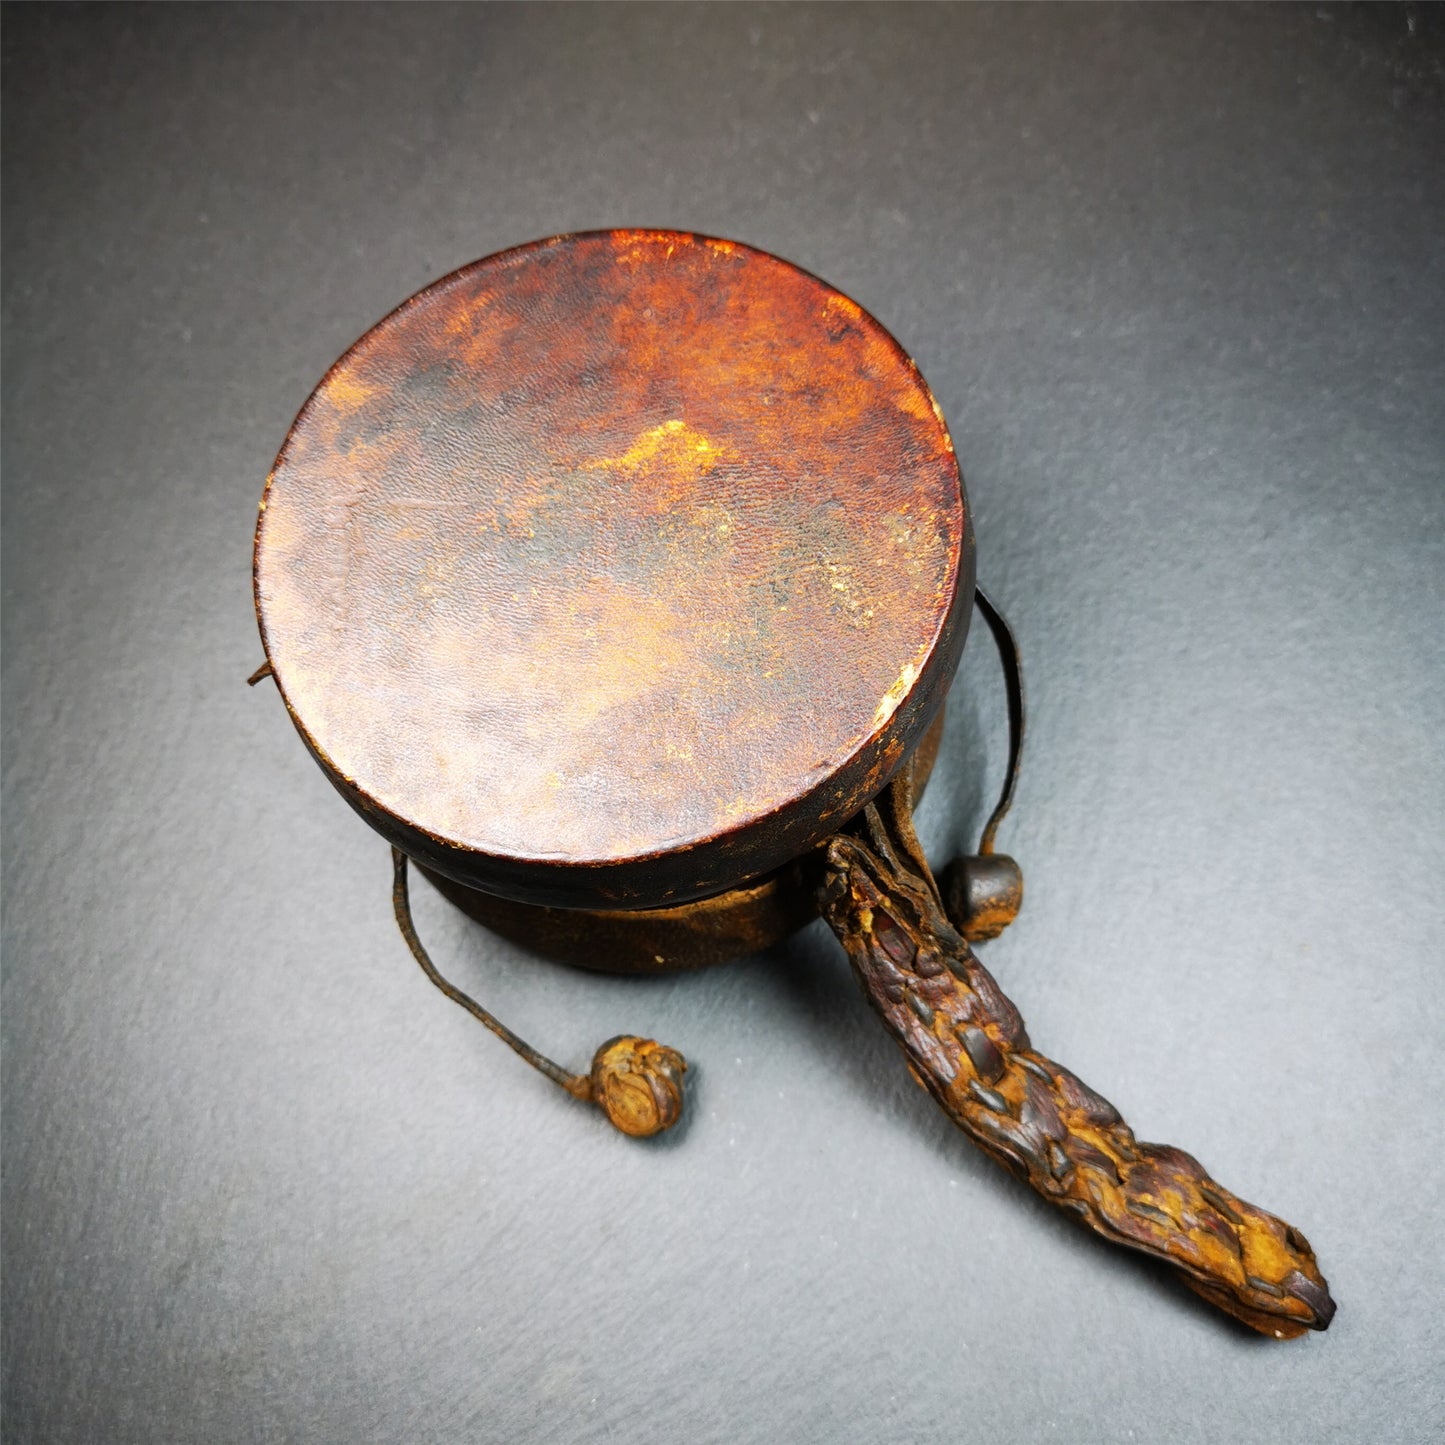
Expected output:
(1177, 278)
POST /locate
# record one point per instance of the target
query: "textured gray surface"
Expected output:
(1176, 277)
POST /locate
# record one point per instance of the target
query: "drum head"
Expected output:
(615, 570)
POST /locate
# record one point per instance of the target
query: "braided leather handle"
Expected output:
(966, 1045)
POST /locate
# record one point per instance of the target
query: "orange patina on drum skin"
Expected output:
(615, 569)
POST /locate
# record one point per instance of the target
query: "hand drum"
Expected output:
(618, 581)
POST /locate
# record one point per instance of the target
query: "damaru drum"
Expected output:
(618, 581)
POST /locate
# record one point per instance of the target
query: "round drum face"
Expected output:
(615, 569)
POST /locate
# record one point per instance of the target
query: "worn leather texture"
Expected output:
(1175, 277)
(617, 569)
